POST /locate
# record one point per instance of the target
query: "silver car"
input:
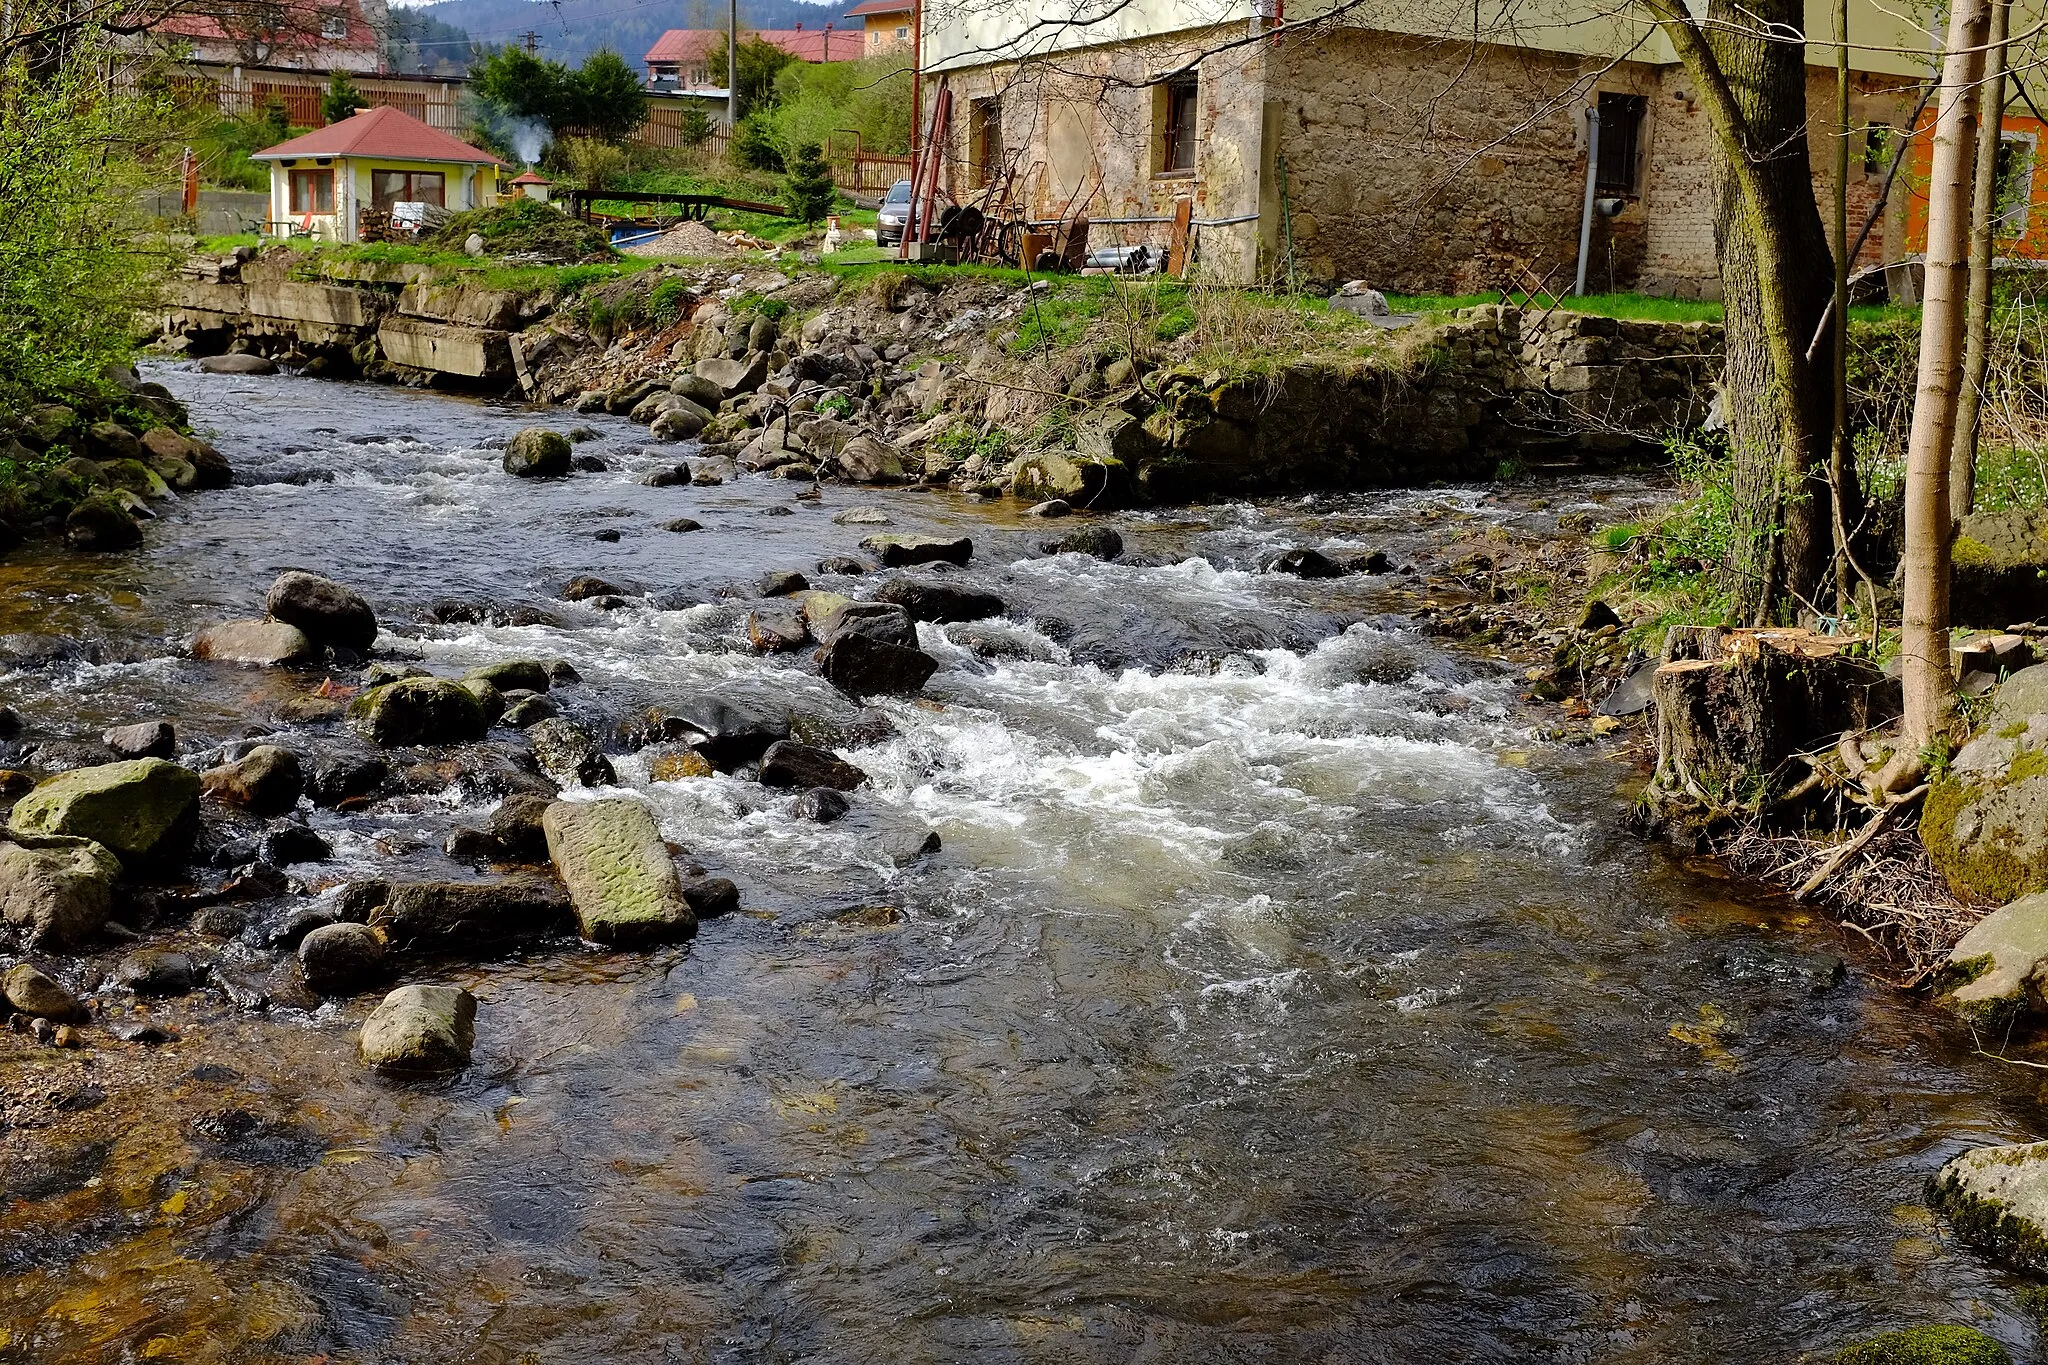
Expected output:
(893, 215)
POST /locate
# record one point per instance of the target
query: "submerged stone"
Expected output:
(621, 877)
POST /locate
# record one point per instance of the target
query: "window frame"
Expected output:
(1180, 101)
(310, 177)
(334, 27)
(1623, 113)
(2010, 221)
(379, 202)
(984, 139)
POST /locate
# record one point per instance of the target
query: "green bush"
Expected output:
(809, 187)
(342, 98)
(816, 100)
(666, 303)
(525, 226)
(753, 145)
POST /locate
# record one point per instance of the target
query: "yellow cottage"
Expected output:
(375, 159)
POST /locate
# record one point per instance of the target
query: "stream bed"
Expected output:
(1277, 994)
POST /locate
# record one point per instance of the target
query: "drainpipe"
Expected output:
(732, 71)
(1586, 213)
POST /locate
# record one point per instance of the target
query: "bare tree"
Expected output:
(1962, 472)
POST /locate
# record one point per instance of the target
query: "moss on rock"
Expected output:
(1939, 1344)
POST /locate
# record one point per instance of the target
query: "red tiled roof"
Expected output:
(880, 7)
(531, 179)
(380, 132)
(685, 44)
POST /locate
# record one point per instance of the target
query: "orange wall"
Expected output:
(1914, 175)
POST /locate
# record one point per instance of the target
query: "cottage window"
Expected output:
(2015, 184)
(1621, 137)
(985, 149)
(1876, 140)
(1175, 106)
(407, 187)
(335, 27)
(902, 33)
(312, 191)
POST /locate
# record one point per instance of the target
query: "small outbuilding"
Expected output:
(531, 186)
(324, 182)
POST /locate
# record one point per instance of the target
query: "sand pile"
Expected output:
(684, 239)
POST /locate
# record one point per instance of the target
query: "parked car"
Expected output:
(893, 215)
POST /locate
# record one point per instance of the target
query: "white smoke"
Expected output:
(528, 138)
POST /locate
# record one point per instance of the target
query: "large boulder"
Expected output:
(329, 613)
(942, 602)
(726, 732)
(733, 376)
(864, 667)
(237, 364)
(341, 959)
(896, 551)
(266, 781)
(538, 453)
(2000, 568)
(775, 627)
(144, 739)
(790, 764)
(884, 622)
(513, 675)
(57, 892)
(101, 522)
(454, 917)
(418, 711)
(1995, 969)
(1985, 820)
(1102, 542)
(863, 459)
(260, 644)
(1996, 1199)
(421, 1028)
(1078, 479)
(144, 810)
(620, 876)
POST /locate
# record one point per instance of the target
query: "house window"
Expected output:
(985, 149)
(1621, 138)
(1877, 138)
(312, 191)
(1175, 106)
(2015, 184)
(407, 187)
(334, 26)
(902, 33)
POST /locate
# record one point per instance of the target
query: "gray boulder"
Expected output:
(421, 1028)
(102, 522)
(699, 390)
(675, 422)
(465, 916)
(513, 675)
(1995, 968)
(733, 376)
(621, 877)
(237, 364)
(2000, 568)
(144, 739)
(897, 551)
(866, 460)
(538, 453)
(329, 613)
(569, 754)
(263, 644)
(882, 622)
(57, 893)
(153, 972)
(266, 781)
(1996, 1199)
(790, 764)
(775, 627)
(864, 667)
(941, 602)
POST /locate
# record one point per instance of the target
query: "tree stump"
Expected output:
(1734, 705)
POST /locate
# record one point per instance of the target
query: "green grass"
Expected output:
(456, 265)
(2009, 480)
(221, 246)
(1635, 307)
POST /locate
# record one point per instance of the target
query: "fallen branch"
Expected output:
(1878, 824)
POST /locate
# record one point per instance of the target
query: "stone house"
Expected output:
(1408, 154)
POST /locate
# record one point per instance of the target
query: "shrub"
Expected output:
(668, 300)
(525, 226)
(342, 98)
(753, 146)
(595, 165)
(810, 188)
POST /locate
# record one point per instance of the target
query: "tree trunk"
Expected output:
(1962, 460)
(1841, 464)
(1923, 631)
(1769, 240)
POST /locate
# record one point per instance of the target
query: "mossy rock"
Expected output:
(418, 711)
(145, 810)
(1933, 1345)
(621, 877)
(135, 476)
(1996, 1200)
(1991, 969)
(1990, 840)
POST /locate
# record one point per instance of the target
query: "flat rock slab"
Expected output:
(141, 810)
(460, 916)
(1998, 961)
(421, 1028)
(621, 878)
(1996, 1198)
(260, 644)
(898, 551)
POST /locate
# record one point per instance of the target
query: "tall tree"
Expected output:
(1923, 628)
(1751, 75)
(612, 101)
(1962, 466)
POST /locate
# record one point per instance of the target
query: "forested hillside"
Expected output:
(572, 29)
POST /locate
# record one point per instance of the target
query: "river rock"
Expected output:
(341, 959)
(523, 710)
(418, 711)
(698, 390)
(144, 739)
(783, 583)
(101, 522)
(790, 764)
(1993, 967)
(775, 627)
(130, 473)
(941, 602)
(143, 810)
(676, 422)
(265, 644)
(1927, 1344)
(516, 824)
(710, 897)
(58, 893)
(237, 364)
(421, 1028)
(37, 996)
(1999, 561)
(896, 551)
(569, 754)
(290, 844)
(157, 973)
(679, 765)
(882, 622)
(346, 777)
(328, 612)
(733, 376)
(513, 675)
(1996, 1199)
(489, 699)
(265, 781)
(821, 805)
(463, 916)
(863, 667)
(842, 564)
(1102, 542)
(588, 588)
(863, 459)
(906, 846)
(621, 877)
(727, 733)
(1303, 563)
(683, 524)
(538, 453)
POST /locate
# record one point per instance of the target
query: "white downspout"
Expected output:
(1586, 212)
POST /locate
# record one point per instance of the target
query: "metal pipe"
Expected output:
(1586, 213)
(732, 68)
(1125, 222)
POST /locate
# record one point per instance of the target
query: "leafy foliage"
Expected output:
(602, 98)
(341, 98)
(759, 63)
(753, 145)
(667, 301)
(814, 100)
(611, 101)
(525, 226)
(810, 188)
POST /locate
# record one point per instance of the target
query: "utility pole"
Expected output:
(732, 67)
(530, 41)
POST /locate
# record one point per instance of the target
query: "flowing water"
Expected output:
(1277, 995)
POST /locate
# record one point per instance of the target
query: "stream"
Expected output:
(1277, 994)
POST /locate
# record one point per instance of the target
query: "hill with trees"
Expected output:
(573, 29)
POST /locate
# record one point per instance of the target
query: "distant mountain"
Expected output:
(571, 30)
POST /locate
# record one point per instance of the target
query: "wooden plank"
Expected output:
(1177, 247)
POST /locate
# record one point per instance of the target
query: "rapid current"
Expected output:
(1278, 994)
